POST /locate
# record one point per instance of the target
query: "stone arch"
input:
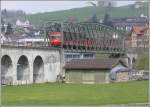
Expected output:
(23, 69)
(38, 69)
(6, 69)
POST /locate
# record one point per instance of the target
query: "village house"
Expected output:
(23, 24)
(90, 71)
(5, 38)
(127, 23)
(138, 38)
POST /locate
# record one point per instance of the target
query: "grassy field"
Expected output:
(76, 94)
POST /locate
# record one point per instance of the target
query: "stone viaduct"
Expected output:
(26, 65)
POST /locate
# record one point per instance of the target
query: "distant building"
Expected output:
(138, 37)
(142, 15)
(34, 40)
(5, 27)
(5, 39)
(10, 39)
(22, 39)
(127, 23)
(23, 24)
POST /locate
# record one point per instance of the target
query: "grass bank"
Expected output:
(76, 94)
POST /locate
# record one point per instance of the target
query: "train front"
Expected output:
(55, 38)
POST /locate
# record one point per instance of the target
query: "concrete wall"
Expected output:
(50, 66)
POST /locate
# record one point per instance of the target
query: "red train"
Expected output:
(55, 39)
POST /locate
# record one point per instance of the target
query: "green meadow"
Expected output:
(76, 94)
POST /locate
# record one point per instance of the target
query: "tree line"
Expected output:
(11, 13)
(6, 28)
(8, 17)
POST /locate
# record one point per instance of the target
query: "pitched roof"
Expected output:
(139, 29)
(91, 63)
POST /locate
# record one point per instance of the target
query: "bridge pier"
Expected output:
(30, 81)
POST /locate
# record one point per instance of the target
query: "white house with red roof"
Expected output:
(138, 37)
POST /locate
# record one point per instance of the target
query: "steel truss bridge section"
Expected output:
(87, 37)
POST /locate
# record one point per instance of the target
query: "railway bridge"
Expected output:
(26, 65)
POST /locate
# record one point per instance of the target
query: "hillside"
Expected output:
(85, 13)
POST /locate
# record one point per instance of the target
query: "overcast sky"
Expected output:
(45, 6)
